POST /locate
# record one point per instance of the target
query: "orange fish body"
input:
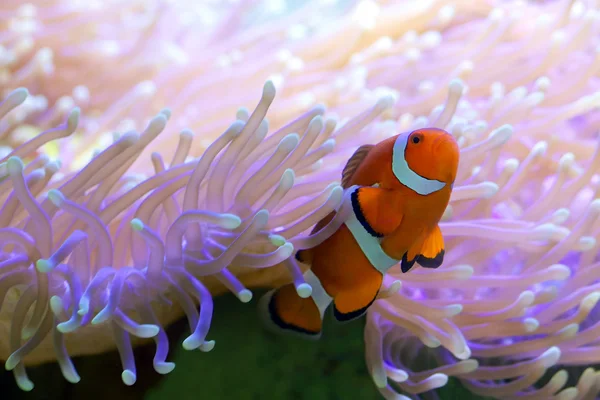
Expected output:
(398, 191)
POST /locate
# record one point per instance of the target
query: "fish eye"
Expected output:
(416, 138)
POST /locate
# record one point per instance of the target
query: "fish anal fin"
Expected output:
(352, 304)
(284, 311)
(377, 210)
(353, 163)
(428, 252)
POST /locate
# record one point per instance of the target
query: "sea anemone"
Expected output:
(91, 252)
(517, 294)
(104, 244)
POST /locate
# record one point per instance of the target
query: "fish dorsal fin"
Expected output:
(353, 163)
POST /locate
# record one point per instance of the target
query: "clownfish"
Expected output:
(398, 191)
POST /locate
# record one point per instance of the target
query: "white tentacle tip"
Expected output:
(230, 221)
(286, 249)
(269, 90)
(287, 179)
(586, 243)
(128, 377)
(73, 119)
(559, 272)
(456, 87)
(289, 142)
(463, 271)
(129, 138)
(397, 375)
(318, 109)
(277, 240)
(137, 224)
(244, 295)
(242, 114)
(437, 380)
(328, 145)
(304, 290)
(15, 165)
(72, 376)
(53, 167)
(12, 362)
(18, 96)
(510, 165)
(464, 354)
(336, 194)
(502, 133)
(551, 356)
(394, 287)
(568, 331)
(166, 112)
(526, 298)
(157, 123)
(84, 306)
(453, 310)
(186, 134)
(316, 123)
(469, 366)
(43, 265)
(28, 332)
(261, 217)
(595, 205)
(147, 331)
(236, 128)
(561, 215)
(25, 384)
(191, 343)
(56, 197)
(102, 316)
(590, 300)
(384, 103)
(207, 346)
(542, 83)
(489, 189)
(531, 324)
(164, 368)
(66, 327)
(56, 305)
(545, 230)
(539, 148)
(379, 378)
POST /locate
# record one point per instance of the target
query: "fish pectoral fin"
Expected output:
(429, 252)
(372, 206)
(352, 304)
(432, 252)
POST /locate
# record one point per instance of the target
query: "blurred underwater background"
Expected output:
(161, 161)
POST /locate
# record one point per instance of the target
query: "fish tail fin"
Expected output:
(282, 310)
